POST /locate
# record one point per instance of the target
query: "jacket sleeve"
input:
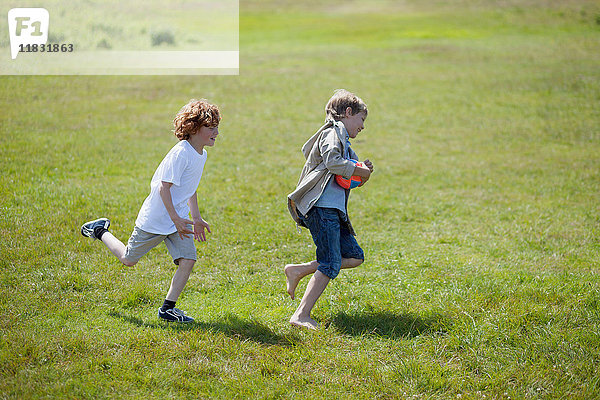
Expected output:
(330, 148)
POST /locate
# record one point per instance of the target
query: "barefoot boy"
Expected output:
(320, 204)
(165, 212)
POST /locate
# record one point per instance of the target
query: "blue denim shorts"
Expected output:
(332, 238)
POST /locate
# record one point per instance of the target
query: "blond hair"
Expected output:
(340, 101)
(194, 115)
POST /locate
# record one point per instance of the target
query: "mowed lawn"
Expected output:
(481, 223)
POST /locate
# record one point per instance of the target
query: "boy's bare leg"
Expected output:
(295, 272)
(180, 278)
(116, 247)
(315, 288)
(351, 262)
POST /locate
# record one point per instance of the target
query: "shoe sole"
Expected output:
(175, 320)
(86, 232)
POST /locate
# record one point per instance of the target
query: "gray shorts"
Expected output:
(141, 242)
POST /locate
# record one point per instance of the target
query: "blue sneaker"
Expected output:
(174, 315)
(88, 228)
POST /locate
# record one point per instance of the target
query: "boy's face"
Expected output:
(354, 123)
(206, 135)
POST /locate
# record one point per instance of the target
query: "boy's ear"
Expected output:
(348, 111)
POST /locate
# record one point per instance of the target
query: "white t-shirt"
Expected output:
(182, 167)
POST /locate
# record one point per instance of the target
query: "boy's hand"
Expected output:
(369, 165)
(182, 227)
(199, 226)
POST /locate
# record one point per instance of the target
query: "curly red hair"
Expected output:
(194, 115)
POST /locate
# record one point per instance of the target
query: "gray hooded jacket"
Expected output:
(324, 158)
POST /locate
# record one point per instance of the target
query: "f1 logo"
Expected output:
(27, 26)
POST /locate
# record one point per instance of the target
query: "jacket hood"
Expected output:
(339, 128)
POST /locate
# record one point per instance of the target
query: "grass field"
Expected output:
(481, 225)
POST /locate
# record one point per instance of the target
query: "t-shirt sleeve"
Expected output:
(172, 168)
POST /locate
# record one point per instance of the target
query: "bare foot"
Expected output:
(292, 277)
(304, 322)
(295, 272)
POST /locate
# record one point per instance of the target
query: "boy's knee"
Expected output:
(185, 262)
(357, 261)
(353, 262)
(128, 263)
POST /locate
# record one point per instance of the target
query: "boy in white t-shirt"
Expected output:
(165, 212)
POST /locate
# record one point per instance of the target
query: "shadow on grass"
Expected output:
(230, 325)
(388, 324)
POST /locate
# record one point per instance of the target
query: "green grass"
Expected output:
(481, 225)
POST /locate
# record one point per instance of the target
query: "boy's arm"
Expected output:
(180, 223)
(199, 223)
(331, 152)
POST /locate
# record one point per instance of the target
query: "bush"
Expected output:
(161, 37)
(104, 44)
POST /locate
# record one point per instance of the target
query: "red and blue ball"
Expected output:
(353, 181)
